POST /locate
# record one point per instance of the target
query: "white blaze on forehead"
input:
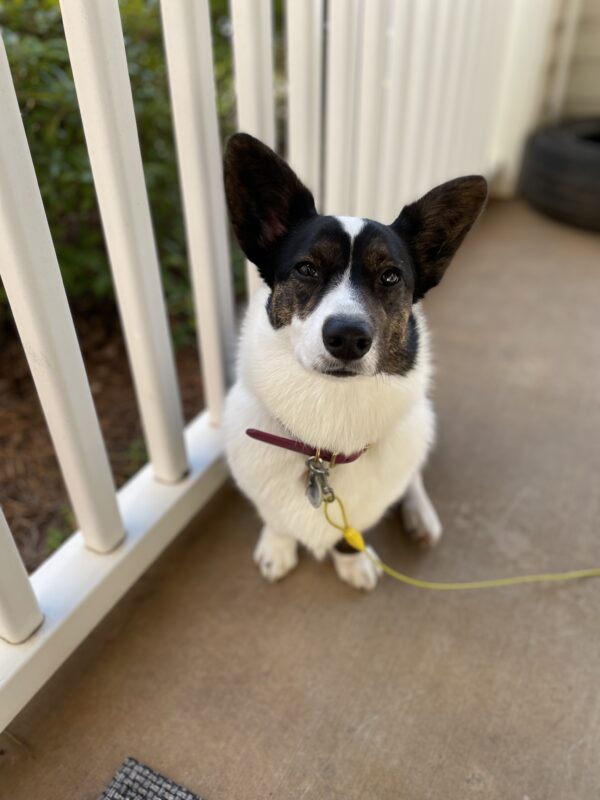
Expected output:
(352, 225)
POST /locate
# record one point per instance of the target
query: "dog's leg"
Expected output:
(354, 568)
(276, 555)
(419, 517)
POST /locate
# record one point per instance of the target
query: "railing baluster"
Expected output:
(419, 64)
(97, 53)
(466, 111)
(492, 42)
(340, 105)
(445, 152)
(369, 94)
(33, 284)
(433, 125)
(304, 50)
(528, 38)
(253, 66)
(20, 613)
(186, 28)
(394, 111)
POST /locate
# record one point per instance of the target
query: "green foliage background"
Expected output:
(33, 35)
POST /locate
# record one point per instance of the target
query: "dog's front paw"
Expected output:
(275, 555)
(357, 569)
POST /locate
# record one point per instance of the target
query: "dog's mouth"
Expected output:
(334, 368)
(340, 373)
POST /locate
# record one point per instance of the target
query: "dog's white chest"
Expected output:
(393, 415)
(276, 479)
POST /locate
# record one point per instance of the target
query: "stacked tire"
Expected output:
(561, 172)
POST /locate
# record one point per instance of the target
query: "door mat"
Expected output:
(135, 781)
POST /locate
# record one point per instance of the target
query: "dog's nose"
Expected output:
(347, 338)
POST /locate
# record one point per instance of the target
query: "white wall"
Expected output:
(573, 78)
(582, 96)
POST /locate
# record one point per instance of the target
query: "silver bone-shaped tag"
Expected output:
(317, 488)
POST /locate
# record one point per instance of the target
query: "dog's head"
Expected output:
(344, 287)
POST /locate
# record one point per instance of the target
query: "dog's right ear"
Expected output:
(265, 199)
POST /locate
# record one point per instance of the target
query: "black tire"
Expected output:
(561, 172)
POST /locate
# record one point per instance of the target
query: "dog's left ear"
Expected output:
(435, 226)
(265, 199)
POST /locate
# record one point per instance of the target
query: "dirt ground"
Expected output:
(32, 493)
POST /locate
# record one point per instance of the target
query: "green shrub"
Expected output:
(32, 31)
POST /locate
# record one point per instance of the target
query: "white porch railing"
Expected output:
(385, 98)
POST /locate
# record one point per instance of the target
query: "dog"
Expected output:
(334, 358)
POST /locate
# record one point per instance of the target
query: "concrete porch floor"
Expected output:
(309, 689)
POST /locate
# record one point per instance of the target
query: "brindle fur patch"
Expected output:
(326, 247)
(376, 250)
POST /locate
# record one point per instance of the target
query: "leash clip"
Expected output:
(318, 490)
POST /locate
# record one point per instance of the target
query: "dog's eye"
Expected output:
(306, 269)
(390, 277)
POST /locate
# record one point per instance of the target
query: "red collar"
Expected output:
(304, 449)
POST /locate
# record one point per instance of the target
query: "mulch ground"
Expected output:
(32, 492)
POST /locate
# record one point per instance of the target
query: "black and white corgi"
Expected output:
(334, 357)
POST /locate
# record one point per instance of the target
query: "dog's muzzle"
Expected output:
(347, 338)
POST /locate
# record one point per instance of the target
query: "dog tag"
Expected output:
(314, 491)
(317, 488)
